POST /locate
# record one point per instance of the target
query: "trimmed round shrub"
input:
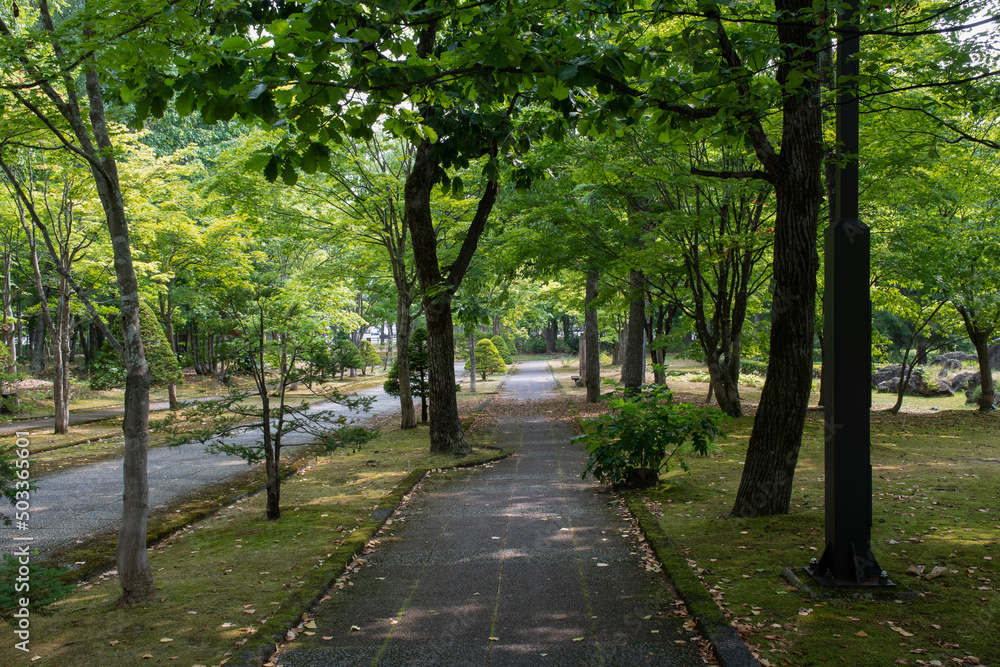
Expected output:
(108, 370)
(502, 348)
(488, 360)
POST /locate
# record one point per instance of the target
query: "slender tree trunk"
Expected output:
(61, 359)
(271, 467)
(472, 362)
(905, 371)
(9, 339)
(634, 364)
(593, 348)
(821, 400)
(407, 414)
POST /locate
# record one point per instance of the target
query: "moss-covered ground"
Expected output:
(234, 580)
(936, 474)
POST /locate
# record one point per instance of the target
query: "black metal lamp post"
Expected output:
(848, 559)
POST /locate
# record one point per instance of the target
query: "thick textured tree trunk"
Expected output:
(987, 398)
(772, 454)
(766, 485)
(634, 364)
(724, 385)
(447, 434)
(592, 332)
(981, 340)
(550, 336)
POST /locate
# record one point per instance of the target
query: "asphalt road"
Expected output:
(86, 501)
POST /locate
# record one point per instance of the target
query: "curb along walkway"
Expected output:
(517, 563)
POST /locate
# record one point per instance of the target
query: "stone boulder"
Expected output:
(948, 365)
(961, 381)
(885, 373)
(954, 356)
(886, 380)
(971, 382)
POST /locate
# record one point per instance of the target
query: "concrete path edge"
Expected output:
(262, 645)
(730, 649)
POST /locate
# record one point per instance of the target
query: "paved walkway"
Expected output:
(518, 563)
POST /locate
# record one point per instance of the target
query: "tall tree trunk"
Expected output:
(134, 571)
(271, 452)
(772, 454)
(980, 338)
(407, 413)
(9, 338)
(61, 358)
(567, 328)
(592, 332)
(634, 364)
(550, 336)
(472, 361)
(38, 334)
(447, 434)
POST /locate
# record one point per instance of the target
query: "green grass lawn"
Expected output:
(936, 473)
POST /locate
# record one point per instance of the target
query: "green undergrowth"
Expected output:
(936, 478)
(231, 583)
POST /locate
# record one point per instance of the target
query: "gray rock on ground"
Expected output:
(886, 380)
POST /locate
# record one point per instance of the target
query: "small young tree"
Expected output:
(369, 354)
(275, 363)
(346, 355)
(488, 360)
(417, 356)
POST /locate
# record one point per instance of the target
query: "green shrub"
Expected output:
(502, 348)
(488, 360)
(108, 368)
(753, 367)
(346, 355)
(534, 346)
(646, 431)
